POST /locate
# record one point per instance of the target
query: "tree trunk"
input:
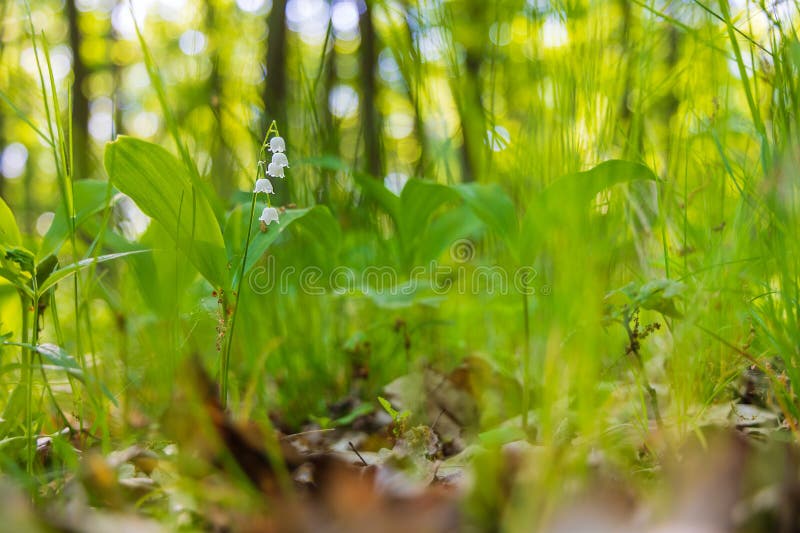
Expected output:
(275, 86)
(80, 104)
(473, 121)
(370, 118)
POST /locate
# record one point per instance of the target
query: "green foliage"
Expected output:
(162, 188)
(500, 112)
(399, 418)
(91, 197)
(9, 232)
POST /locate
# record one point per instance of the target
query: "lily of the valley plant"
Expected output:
(274, 169)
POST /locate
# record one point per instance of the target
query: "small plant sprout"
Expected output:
(277, 146)
(263, 185)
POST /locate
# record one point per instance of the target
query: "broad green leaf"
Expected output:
(60, 360)
(320, 228)
(499, 436)
(14, 410)
(17, 266)
(404, 295)
(418, 203)
(91, 197)
(582, 187)
(660, 295)
(444, 231)
(564, 205)
(371, 186)
(9, 231)
(162, 188)
(493, 206)
(68, 270)
(164, 276)
(320, 222)
(376, 190)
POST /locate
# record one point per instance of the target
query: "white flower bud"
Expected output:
(277, 144)
(275, 170)
(279, 158)
(263, 185)
(268, 215)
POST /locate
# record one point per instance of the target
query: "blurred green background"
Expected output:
(502, 97)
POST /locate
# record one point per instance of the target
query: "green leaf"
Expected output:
(9, 231)
(14, 410)
(162, 188)
(376, 190)
(360, 410)
(316, 220)
(584, 186)
(60, 360)
(418, 203)
(660, 295)
(388, 407)
(564, 205)
(403, 295)
(444, 231)
(91, 197)
(494, 207)
(494, 438)
(68, 270)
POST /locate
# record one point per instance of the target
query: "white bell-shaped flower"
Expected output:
(279, 158)
(275, 170)
(268, 215)
(263, 185)
(277, 144)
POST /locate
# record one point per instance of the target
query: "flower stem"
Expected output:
(526, 360)
(226, 358)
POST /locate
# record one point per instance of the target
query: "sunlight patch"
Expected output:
(344, 18)
(395, 181)
(192, 42)
(343, 101)
(554, 33)
(498, 139)
(399, 125)
(134, 222)
(14, 160)
(44, 221)
(254, 7)
(309, 18)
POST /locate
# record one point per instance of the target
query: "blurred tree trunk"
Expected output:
(473, 120)
(370, 117)
(469, 89)
(413, 77)
(222, 177)
(3, 9)
(275, 86)
(671, 101)
(630, 117)
(80, 104)
(329, 133)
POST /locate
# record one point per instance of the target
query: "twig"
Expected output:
(356, 452)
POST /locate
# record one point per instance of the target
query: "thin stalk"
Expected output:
(228, 345)
(526, 359)
(748, 91)
(27, 365)
(29, 401)
(226, 357)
